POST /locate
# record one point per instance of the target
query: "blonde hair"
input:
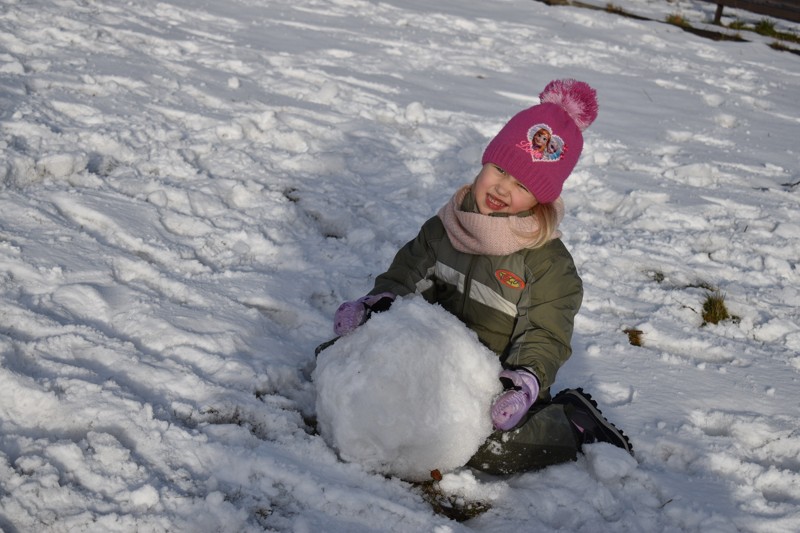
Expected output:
(547, 219)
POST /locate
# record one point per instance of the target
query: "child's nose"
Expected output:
(503, 186)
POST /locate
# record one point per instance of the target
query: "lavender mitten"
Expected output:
(352, 314)
(509, 408)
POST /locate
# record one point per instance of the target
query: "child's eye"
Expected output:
(500, 170)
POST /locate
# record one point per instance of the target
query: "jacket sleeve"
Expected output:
(542, 337)
(413, 265)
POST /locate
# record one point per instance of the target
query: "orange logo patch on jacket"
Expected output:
(509, 279)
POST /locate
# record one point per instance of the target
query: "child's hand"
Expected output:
(522, 388)
(352, 314)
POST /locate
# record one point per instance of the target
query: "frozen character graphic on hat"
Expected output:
(554, 148)
(544, 145)
(539, 137)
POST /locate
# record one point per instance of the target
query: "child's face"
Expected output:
(496, 191)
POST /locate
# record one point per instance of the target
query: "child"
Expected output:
(493, 257)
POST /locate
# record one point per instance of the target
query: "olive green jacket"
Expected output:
(522, 306)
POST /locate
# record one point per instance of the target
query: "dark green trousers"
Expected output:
(545, 437)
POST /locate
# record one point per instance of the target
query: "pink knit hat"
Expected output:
(541, 145)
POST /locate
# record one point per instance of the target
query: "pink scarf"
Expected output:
(474, 233)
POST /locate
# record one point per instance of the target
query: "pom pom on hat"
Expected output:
(540, 146)
(577, 98)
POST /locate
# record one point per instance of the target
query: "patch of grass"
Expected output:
(634, 336)
(776, 45)
(679, 20)
(738, 25)
(792, 38)
(765, 27)
(714, 308)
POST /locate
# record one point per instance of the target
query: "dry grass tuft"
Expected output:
(679, 20)
(714, 308)
(634, 336)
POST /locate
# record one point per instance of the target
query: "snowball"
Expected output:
(415, 113)
(408, 392)
(608, 463)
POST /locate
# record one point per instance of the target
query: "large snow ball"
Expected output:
(408, 392)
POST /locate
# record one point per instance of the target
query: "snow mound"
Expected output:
(408, 392)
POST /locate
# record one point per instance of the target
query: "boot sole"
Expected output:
(589, 403)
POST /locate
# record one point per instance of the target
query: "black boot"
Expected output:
(590, 424)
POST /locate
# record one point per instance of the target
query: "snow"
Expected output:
(188, 190)
(405, 405)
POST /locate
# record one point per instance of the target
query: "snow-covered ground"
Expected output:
(189, 189)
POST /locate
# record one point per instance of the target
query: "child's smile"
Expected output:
(494, 203)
